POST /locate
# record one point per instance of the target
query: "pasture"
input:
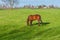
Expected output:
(13, 25)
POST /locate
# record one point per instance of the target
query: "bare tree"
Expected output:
(11, 3)
(51, 6)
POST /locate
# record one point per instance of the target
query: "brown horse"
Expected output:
(31, 18)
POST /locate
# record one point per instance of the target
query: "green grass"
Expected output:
(13, 25)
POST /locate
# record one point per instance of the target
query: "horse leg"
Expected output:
(38, 22)
(30, 23)
(27, 21)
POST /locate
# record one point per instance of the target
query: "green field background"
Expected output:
(13, 24)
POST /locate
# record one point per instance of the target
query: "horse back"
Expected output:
(34, 17)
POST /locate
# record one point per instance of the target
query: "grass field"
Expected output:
(13, 25)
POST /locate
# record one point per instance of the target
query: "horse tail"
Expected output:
(41, 21)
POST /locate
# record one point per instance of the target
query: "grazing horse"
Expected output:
(31, 18)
